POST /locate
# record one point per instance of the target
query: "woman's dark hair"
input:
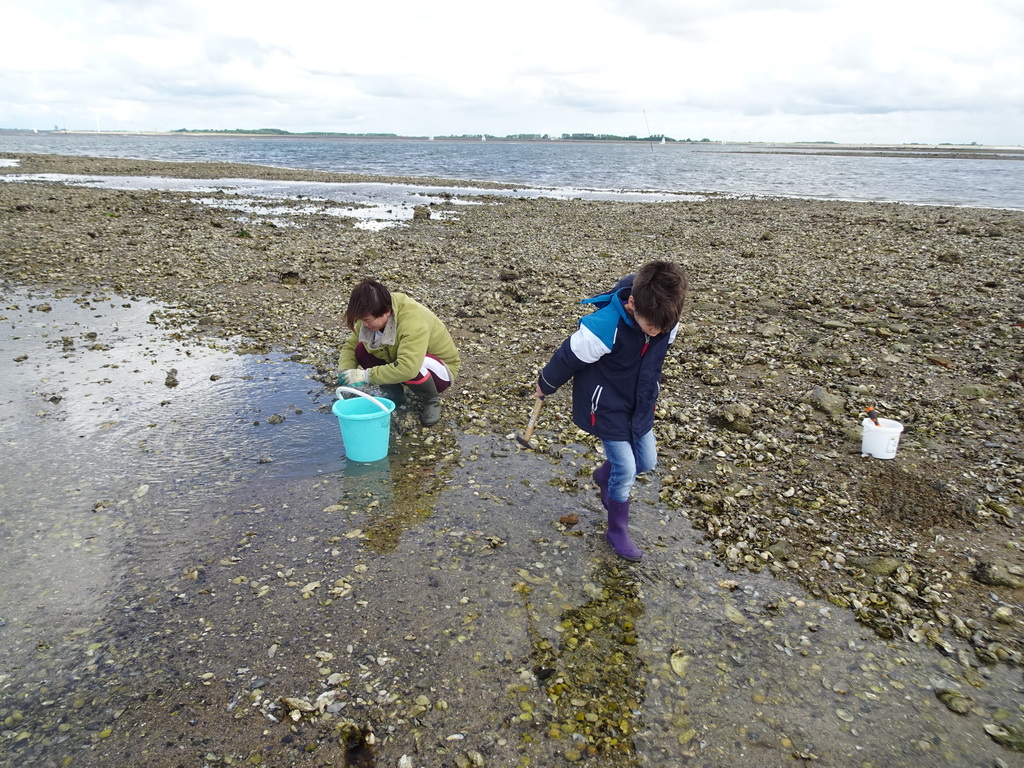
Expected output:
(368, 299)
(659, 290)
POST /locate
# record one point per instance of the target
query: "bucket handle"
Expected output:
(355, 391)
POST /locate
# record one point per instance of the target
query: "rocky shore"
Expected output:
(802, 313)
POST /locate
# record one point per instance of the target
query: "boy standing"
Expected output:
(614, 359)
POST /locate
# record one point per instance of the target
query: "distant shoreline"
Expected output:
(972, 151)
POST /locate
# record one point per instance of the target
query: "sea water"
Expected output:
(993, 180)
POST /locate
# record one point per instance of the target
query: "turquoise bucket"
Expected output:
(365, 423)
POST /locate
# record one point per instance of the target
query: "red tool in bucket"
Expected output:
(879, 437)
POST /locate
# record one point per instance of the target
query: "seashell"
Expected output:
(955, 701)
(680, 663)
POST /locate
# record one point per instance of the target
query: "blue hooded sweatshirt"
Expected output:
(615, 368)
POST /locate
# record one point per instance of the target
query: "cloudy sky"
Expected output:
(877, 71)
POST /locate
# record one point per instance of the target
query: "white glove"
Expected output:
(356, 377)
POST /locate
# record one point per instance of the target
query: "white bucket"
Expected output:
(880, 440)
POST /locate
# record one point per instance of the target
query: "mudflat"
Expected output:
(801, 314)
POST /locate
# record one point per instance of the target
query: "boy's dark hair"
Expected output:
(659, 290)
(368, 299)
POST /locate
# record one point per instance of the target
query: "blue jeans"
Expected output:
(628, 461)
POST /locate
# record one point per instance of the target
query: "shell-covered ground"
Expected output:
(801, 314)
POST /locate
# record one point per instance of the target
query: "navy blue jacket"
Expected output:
(615, 368)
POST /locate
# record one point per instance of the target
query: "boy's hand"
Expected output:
(539, 393)
(354, 377)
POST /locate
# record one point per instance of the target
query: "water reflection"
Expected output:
(384, 504)
(387, 498)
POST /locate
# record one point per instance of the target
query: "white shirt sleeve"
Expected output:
(587, 346)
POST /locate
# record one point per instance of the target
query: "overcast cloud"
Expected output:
(732, 70)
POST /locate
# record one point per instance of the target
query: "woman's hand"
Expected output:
(354, 377)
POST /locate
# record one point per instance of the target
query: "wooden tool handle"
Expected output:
(533, 420)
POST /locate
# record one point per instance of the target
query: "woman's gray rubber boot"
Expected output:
(395, 393)
(430, 412)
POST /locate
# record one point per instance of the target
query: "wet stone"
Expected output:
(875, 566)
(999, 573)
(955, 701)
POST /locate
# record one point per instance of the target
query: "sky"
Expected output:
(870, 71)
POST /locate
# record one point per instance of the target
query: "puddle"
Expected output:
(372, 205)
(106, 416)
(182, 578)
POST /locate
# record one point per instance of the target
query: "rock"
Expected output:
(999, 573)
(941, 361)
(1006, 736)
(781, 549)
(836, 325)
(977, 392)
(734, 417)
(881, 567)
(1003, 614)
(853, 433)
(824, 401)
(817, 355)
(769, 330)
(955, 701)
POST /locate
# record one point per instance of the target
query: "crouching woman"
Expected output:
(396, 343)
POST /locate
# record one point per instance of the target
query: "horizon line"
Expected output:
(582, 137)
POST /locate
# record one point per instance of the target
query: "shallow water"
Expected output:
(95, 435)
(371, 205)
(174, 564)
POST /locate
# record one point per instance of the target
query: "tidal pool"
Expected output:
(193, 574)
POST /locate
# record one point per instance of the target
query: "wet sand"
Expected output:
(802, 313)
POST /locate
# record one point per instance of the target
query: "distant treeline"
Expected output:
(280, 132)
(465, 136)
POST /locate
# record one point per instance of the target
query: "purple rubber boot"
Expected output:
(618, 531)
(601, 476)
